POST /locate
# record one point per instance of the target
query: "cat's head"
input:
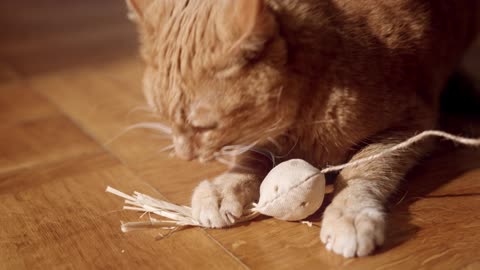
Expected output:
(216, 71)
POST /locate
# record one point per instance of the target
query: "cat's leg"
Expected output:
(220, 202)
(354, 223)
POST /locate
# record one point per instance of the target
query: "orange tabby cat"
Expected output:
(327, 81)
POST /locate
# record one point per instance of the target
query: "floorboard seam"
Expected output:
(225, 249)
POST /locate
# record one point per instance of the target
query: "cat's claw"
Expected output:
(213, 207)
(350, 232)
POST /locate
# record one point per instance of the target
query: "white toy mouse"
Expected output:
(293, 190)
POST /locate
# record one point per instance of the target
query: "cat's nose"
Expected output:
(183, 149)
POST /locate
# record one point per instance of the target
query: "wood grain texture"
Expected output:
(70, 83)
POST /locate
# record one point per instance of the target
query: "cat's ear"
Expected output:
(136, 9)
(249, 23)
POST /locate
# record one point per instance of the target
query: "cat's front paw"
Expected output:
(218, 204)
(352, 232)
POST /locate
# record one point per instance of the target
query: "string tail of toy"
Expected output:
(178, 216)
(409, 142)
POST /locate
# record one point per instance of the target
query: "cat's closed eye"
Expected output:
(202, 118)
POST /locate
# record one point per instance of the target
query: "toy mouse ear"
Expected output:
(137, 8)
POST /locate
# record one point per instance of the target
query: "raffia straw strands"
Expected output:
(178, 215)
(141, 225)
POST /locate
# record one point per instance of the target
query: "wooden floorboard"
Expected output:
(69, 85)
(58, 216)
(55, 212)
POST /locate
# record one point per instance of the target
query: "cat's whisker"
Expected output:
(274, 142)
(248, 140)
(232, 151)
(147, 125)
(140, 108)
(167, 148)
(267, 154)
(153, 126)
(275, 126)
(224, 161)
(289, 151)
(238, 149)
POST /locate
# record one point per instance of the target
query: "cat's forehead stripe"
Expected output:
(182, 39)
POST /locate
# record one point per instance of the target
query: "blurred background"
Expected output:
(45, 36)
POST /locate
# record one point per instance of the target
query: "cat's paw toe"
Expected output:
(214, 208)
(209, 216)
(352, 232)
(231, 209)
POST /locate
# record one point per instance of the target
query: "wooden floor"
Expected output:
(70, 82)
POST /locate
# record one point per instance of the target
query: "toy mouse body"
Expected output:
(293, 190)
